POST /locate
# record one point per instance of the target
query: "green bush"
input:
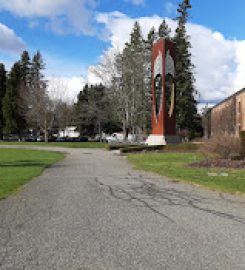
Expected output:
(141, 148)
(111, 147)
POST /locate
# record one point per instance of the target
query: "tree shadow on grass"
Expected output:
(22, 163)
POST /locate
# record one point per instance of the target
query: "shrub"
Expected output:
(182, 147)
(141, 148)
(224, 146)
(242, 138)
(118, 146)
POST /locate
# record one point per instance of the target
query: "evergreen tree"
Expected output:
(40, 111)
(132, 98)
(186, 103)
(13, 122)
(164, 31)
(151, 37)
(37, 66)
(93, 111)
(24, 88)
(2, 94)
(25, 66)
(83, 121)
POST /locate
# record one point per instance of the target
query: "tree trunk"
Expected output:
(45, 131)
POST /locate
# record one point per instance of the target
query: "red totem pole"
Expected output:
(163, 94)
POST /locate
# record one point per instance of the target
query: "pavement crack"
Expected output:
(123, 194)
(152, 196)
(218, 213)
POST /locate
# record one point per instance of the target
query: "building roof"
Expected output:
(228, 98)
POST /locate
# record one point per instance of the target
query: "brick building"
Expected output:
(228, 116)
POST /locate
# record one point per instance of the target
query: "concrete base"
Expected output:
(156, 140)
(162, 140)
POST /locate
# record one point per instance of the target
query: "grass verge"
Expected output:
(60, 144)
(175, 166)
(18, 166)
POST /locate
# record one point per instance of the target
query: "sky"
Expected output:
(74, 35)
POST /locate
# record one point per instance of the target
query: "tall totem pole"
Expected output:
(163, 94)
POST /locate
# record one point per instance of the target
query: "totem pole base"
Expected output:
(156, 140)
(162, 140)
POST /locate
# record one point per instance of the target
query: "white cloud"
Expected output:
(68, 88)
(202, 106)
(136, 2)
(65, 88)
(240, 62)
(64, 16)
(220, 62)
(215, 61)
(9, 41)
(92, 78)
(119, 26)
(105, 71)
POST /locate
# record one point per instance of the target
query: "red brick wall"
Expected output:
(229, 116)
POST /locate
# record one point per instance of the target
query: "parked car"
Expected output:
(115, 138)
(83, 139)
(29, 139)
(12, 138)
(61, 139)
(118, 137)
(40, 139)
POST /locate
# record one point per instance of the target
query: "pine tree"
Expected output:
(83, 121)
(12, 120)
(164, 31)
(40, 111)
(25, 65)
(133, 84)
(37, 66)
(151, 37)
(3, 79)
(135, 71)
(24, 89)
(93, 111)
(186, 110)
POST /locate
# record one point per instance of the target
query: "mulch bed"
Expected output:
(220, 163)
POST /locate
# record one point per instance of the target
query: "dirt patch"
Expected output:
(220, 163)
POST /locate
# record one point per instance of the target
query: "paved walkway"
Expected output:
(93, 211)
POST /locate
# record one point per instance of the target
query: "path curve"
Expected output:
(93, 211)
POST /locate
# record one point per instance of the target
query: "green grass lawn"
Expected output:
(18, 166)
(60, 144)
(175, 166)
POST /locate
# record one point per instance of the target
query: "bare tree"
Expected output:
(106, 70)
(128, 76)
(64, 114)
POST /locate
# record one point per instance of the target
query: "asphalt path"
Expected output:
(92, 211)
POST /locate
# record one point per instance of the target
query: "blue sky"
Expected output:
(73, 35)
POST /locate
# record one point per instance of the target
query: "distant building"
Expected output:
(69, 132)
(228, 116)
